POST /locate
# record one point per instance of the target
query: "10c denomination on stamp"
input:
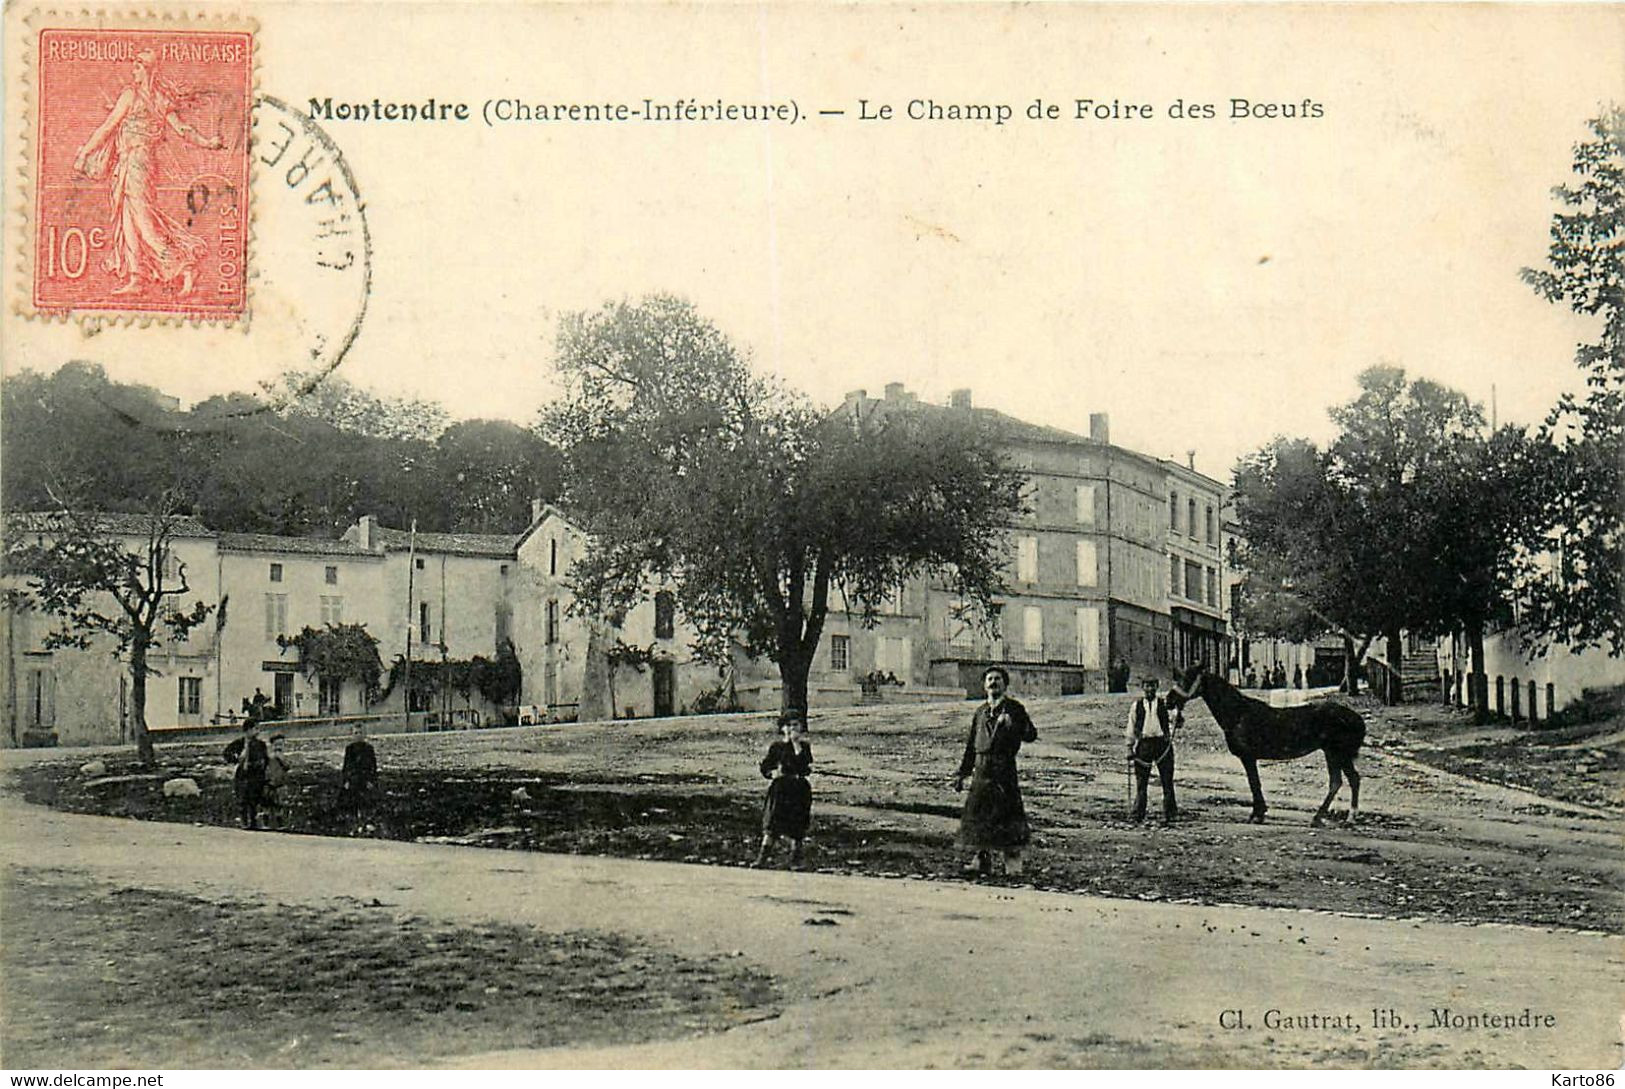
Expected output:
(141, 169)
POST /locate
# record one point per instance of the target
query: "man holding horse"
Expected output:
(1151, 745)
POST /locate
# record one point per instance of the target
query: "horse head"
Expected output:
(1186, 688)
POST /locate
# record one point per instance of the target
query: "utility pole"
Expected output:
(411, 570)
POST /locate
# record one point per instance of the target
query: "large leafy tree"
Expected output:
(1389, 528)
(1578, 523)
(1299, 543)
(689, 470)
(116, 578)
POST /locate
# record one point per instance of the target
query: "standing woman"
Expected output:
(788, 808)
(994, 818)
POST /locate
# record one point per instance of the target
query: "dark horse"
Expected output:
(1255, 731)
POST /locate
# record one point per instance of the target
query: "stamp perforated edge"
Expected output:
(144, 18)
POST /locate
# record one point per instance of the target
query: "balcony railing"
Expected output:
(998, 650)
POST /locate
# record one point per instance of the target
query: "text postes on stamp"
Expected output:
(141, 184)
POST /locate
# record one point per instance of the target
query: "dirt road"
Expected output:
(921, 973)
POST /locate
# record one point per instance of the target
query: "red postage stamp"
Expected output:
(141, 171)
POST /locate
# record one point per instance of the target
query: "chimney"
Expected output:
(366, 531)
(857, 396)
(1100, 427)
(1190, 460)
(894, 391)
(959, 398)
(536, 506)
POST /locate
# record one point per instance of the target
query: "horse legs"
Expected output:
(1354, 788)
(1251, 767)
(1334, 776)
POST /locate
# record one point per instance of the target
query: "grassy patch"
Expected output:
(107, 977)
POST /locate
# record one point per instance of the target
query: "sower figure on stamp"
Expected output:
(251, 757)
(788, 808)
(994, 818)
(1151, 745)
(147, 242)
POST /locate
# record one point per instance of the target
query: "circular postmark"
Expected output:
(311, 251)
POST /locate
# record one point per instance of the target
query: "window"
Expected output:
(1190, 520)
(840, 653)
(329, 697)
(169, 567)
(1235, 601)
(1173, 576)
(1086, 504)
(420, 563)
(424, 628)
(1089, 638)
(1173, 512)
(1212, 587)
(1212, 529)
(276, 572)
(1193, 580)
(553, 556)
(552, 622)
(276, 615)
(665, 615)
(503, 570)
(1032, 627)
(332, 609)
(191, 696)
(1088, 564)
(330, 575)
(1026, 559)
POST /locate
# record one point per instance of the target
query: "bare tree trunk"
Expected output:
(1477, 682)
(138, 700)
(794, 669)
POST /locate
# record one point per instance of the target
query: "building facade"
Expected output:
(1090, 596)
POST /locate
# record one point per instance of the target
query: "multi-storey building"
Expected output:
(1196, 601)
(1088, 597)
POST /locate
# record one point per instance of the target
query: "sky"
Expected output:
(1209, 283)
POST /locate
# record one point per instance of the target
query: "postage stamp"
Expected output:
(141, 169)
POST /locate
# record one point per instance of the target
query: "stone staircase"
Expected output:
(1419, 673)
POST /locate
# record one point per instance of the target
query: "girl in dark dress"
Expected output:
(788, 808)
(994, 818)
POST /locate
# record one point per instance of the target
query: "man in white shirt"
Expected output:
(1151, 744)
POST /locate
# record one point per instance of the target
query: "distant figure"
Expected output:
(788, 808)
(1297, 676)
(359, 775)
(1232, 672)
(1280, 676)
(257, 707)
(1151, 744)
(276, 776)
(1252, 677)
(994, 818)
(251, 757)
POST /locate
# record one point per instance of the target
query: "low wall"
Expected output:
(1568, 674)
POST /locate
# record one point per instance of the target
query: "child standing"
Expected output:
(276, 775)
(359, 775)
(788, 809)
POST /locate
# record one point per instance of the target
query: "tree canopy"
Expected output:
(1575, 540)
(307, 461)
(690, 470)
